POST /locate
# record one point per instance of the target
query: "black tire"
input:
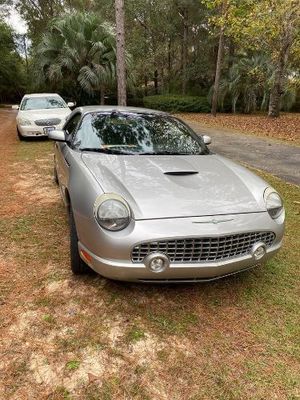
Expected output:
(78, 266)
(19, 135)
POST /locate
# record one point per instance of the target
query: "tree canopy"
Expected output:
(242, 53)
(77, 48)
(12, 74)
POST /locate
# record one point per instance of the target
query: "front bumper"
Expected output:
(110, 252)
(127, 271)
(34, 130)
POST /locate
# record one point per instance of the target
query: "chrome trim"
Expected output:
(153, 256)
(47, 122)
(203, 249)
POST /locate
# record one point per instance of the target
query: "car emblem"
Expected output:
(213, 221)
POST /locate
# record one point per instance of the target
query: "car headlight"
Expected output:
(24, 122)
(112, 212)
(273, 202)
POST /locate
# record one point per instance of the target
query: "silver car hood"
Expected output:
(178, 186)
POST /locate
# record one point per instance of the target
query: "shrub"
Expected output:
(178, 103)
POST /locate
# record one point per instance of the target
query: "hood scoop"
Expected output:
(181, 173)
(174, 166)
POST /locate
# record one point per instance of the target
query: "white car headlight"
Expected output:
(273, 202)
(112, 212)
(24, 122)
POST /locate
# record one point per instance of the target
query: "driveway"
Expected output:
(282, 160)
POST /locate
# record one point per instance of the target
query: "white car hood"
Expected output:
(33, 115)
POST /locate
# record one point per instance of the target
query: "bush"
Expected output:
(178, 103)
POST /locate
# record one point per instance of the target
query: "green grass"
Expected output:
(73, 365)
(49, 318)
(237, 338)
(135, 334)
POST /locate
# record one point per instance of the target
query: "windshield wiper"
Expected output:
(104, 150)
(161, 153)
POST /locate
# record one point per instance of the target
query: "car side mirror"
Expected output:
(57, 135)
(15, 107)
(71, 104)
(206, 139)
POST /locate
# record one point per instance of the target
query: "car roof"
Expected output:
(40, 95)
(138, 110)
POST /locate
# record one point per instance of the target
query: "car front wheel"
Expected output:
(19, 135)
(78, 266)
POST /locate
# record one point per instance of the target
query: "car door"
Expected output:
(61, 149)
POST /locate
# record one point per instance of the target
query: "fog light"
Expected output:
(258, 251)
(156, 262)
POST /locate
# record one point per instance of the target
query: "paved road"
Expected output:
(279, 159)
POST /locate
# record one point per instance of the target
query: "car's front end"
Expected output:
(41, 113)
(180, 249)
(39, 124)
(185, 234)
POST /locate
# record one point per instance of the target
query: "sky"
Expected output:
(16, 22)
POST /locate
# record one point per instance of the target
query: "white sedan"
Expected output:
(40, 113)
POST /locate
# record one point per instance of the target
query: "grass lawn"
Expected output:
(66, 337)
(286, 128)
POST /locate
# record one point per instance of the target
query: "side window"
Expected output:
(71, 125)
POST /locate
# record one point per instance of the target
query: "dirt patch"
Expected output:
(66, 337)
(31, 187)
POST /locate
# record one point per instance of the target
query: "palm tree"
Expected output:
(248, 83)
(78, 48)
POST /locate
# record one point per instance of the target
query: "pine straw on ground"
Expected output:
(286, 128)
(66, 337)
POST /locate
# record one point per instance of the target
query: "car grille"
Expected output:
(47, 122)
(203, 249)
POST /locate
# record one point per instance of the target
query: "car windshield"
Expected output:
(42, 103)
(137, 133)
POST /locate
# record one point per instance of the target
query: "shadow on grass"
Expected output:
(181, 308)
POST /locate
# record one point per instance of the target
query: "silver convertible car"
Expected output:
(148, 201)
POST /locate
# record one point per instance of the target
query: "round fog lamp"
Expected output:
(258, 251)
(156, 262)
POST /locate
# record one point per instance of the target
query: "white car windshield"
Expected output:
(42, 103)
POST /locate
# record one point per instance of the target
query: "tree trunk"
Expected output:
(277, 91)
(146, 85)
(231, 52)
(215, 96)
(156, 81)
(102, 98)
(121, 67)
(169, 65)
(162, 80)
(289, 32)
(184, 50)
(26, 54)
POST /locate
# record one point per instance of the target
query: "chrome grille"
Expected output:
(47, 122)
(203, 249)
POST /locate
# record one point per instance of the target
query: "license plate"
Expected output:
(48, 129)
